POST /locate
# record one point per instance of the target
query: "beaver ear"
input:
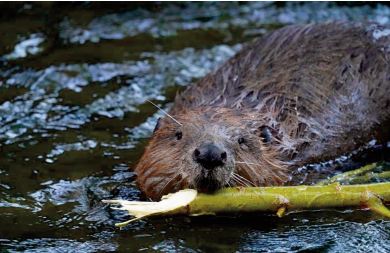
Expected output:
(267, 133)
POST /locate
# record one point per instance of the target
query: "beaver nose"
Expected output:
(209, 156)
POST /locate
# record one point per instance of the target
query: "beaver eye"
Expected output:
(158, 124)
(241, 140)
(178, 135)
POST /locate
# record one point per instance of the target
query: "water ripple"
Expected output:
(41, 109)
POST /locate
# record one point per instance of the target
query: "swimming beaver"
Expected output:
(299, 95)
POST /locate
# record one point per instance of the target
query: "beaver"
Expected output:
(298, 95)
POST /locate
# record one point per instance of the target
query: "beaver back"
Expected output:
(323, 87)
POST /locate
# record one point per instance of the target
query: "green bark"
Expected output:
(292, 198)
(264, 199)
(349, 175)
(362, 175)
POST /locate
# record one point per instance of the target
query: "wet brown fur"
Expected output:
(322, 90)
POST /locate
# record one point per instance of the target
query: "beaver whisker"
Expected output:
(179, 182)
(243, 179)
(235, 181)
(257, 175)
(166, 113)
(174, 177)
(238, 180)
(246, 180)
(228, 184)
(249, 163)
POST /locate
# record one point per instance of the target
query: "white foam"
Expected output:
(377, 34)
(29, 46)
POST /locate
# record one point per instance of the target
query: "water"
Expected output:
(74, 79)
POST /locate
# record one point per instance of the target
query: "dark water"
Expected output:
(73, 121)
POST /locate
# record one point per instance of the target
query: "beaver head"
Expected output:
(207, 149)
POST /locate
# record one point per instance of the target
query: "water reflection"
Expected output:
(334, 237)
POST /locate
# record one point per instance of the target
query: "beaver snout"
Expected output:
(209, 156)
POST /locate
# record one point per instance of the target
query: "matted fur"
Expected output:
(321, 90)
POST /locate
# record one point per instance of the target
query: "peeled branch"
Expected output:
(262, 199)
